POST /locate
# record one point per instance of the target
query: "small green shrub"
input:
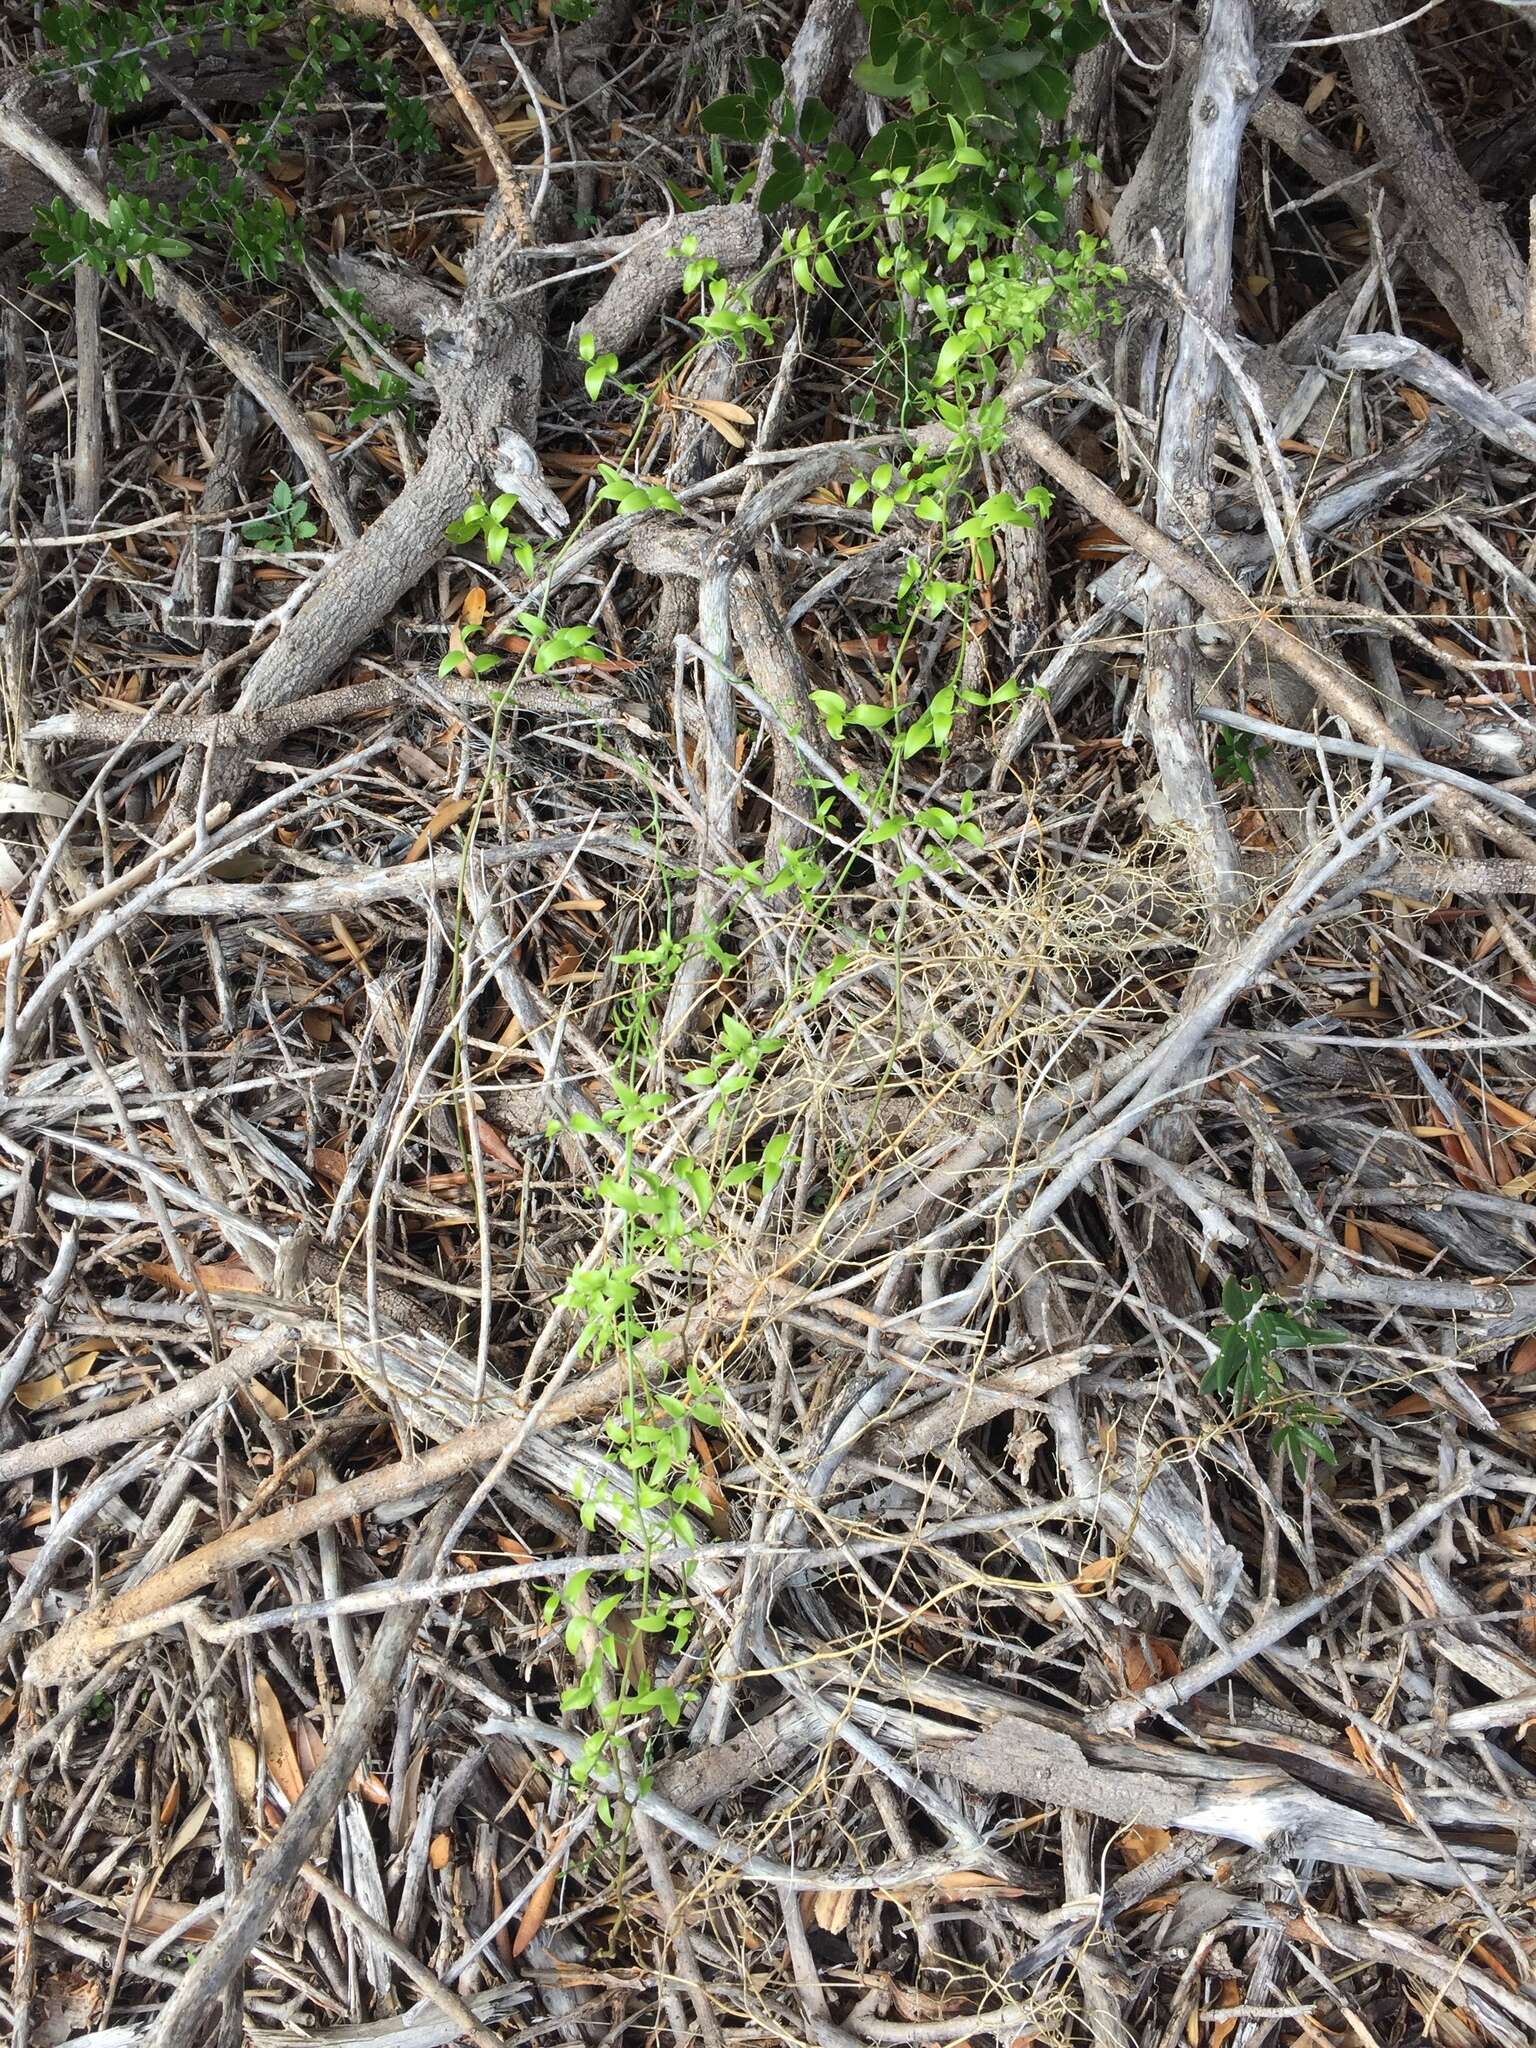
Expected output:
(284, 526)
(1248, 1371)
(124, 242)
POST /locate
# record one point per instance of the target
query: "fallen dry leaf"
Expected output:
(1222, 2030)
(52, 1386)
(447, 815)
(156, 1916)
(1320, 92)
(536, 1911)
(225, 1276)
(276, 1744)
(1137, 1843)
(727, 420)
(970, 1884)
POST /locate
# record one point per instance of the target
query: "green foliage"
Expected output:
(376, 401)
(661, 1208)
(133, 232)
(350, 302)
(107, 52)
(964, 210)
(998, 64)
(656, 1486)
(652, 970)
(727, 315)
(626, 495)
(599, 367)
(486, 13)
(462, 658)
(406, 119)
(488, 522)
(284, 526)
(553, 645)
(107, 49)
(930, 727)
(1249, 1374)
(840, 715)
(1233, 755)
(735, 1066)
(214, 202)
(798, 869)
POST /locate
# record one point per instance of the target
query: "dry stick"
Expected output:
(88, 442)
(1495, 419)
(1121, 1716)
(73, 1525)
(46, 1302)
(24, 136)
(908, 1872)
(1357, 750)
(217, 728)
(476, 119)
(355, 888)
(447, 2002)
(1382, 1943)
(1337, 686)
(487, 371)
(1226, 84)
(1440, 196)
(86, 1636)
(183, 2021)
(163, 522)
(1118, 1112)
(120, 885)
(90, 1439)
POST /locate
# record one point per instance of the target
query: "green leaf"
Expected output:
(767, 78)
(880, 81)
(1050, 89)
(735, 1036)
(954, 352)
(884, 35)
(736, 118)
(1006, 63)
(1080, 32)
(1231, 1357)
(1236, 1299)
(785, 182)
(816, 122)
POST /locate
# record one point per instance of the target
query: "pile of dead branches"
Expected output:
(1027, 1676)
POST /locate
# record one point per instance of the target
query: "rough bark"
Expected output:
(487, 368)
(1440, 196)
